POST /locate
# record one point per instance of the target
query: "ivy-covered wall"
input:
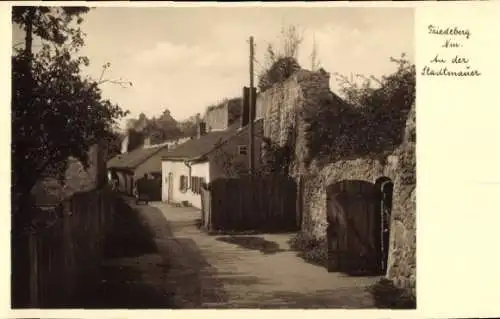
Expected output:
(354, 147)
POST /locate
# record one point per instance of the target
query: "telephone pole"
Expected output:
(251, 114)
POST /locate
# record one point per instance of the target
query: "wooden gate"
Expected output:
(155, 187)
(353, 227)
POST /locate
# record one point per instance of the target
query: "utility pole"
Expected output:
(250, 114)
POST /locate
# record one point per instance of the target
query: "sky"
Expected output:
(186, 59)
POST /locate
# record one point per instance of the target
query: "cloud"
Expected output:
(184, 58)
(189, 72)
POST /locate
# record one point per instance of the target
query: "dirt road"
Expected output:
(251, 271)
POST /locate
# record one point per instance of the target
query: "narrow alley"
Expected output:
(188, 268)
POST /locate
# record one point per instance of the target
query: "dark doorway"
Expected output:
(384, 207)
(353, 222)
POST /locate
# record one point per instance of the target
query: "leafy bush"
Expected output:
(309, 248)
(370, 120)
(281, 62)
(279, 71)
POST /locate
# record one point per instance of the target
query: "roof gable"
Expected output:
(198, 147)
(134, 158)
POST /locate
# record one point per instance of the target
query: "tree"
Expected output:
(281, 62)
(315, 63)
(290, 41)
(158, 129)
(364, 92)
(56, 111)
(113, 144)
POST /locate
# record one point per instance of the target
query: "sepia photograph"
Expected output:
(213, 157)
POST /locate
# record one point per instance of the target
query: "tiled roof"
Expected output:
(134, 158)
(197, 147)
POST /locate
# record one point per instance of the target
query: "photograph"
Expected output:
(213, 157)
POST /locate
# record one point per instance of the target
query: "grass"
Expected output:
(312, 250)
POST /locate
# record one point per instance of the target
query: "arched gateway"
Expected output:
(358, 216)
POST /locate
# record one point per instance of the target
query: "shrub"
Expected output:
(369, 121)
(309, 248)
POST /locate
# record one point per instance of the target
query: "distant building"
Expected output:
(127, 167)
(224, 115)
(209, 156)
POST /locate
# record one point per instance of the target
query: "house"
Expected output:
(128, 167)
(210, 156)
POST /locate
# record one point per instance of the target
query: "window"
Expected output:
(242, 150)
(193, 184)
(196, 184)
(183, 183)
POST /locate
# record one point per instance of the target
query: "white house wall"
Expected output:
(177, 169)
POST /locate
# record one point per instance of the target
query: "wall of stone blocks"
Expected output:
(280, 108)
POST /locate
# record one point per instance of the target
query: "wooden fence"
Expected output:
(260, 203)
(50, 263)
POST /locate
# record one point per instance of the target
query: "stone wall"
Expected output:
(278, 106)
(221, 116)
(281, 106)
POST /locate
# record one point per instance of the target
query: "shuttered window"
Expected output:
(183, 183)
(196, 184)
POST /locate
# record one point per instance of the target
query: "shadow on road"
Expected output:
(128, 254)
(253, 243)
(130, 236)
(348, 298)
(388, 296)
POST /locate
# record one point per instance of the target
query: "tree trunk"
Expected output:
(28, 49)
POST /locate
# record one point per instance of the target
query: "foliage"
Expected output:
(57, 112)
(311, 249)
(283, 68)
(370, 120)
(315, 62)
(278, 158)
(54, 24)
(113, 143)
(373, 93)
(162, 128)
(281, 62)
(228, 162)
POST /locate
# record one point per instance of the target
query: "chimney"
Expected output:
(124, 148)
(147, 142)
(245, 112)
(202, 129)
